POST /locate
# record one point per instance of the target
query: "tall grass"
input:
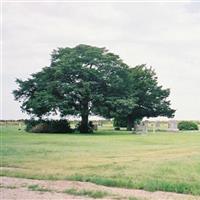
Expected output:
(90, 193)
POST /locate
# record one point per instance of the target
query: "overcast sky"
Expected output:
(165, 36)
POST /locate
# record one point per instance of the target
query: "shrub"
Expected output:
(40, 128)
(89, 193)
(187, 125)
(48, 126)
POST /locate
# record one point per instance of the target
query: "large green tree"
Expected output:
(151, 100)
(88, 80)
(79, 81)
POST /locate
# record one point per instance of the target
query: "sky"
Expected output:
(163, 35)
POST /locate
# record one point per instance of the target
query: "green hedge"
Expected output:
(187, 125)
(48, 126)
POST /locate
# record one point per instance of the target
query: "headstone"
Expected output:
(19, 126)
(95, 127)
(146, 123)
(157, 125)
(153, 127)
(141, 128)
(172, 125)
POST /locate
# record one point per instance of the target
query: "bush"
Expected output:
(187, 125)
(39, 128)
(48, 126)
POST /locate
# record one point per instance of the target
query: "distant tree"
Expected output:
(150, 99)
(79, 81)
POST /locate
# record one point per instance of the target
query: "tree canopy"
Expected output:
(151, 100)
(89, 80)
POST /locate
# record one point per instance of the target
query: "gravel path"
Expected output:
(21, 189)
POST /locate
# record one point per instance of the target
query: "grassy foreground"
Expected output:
(160, 161)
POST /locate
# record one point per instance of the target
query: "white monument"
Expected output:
(172, 125)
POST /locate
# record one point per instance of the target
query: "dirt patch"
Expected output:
(24, 194)
(18, 188)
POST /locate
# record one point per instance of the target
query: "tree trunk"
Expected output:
(84, 124)
(84, 119)
(129, 123)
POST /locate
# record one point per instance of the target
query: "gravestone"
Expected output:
(172, 125)
(95, 127)
(157, 125)
(141, 127)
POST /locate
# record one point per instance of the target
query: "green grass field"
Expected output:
(160, 161)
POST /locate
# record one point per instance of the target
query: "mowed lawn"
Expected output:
(155, 161)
